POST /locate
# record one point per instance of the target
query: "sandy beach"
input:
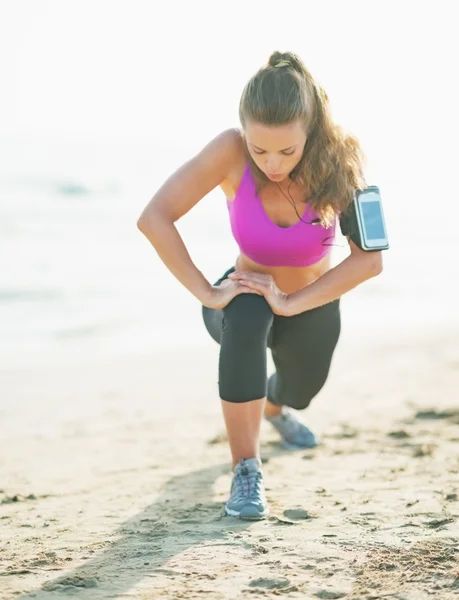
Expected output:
(113, 477)
(114, 465)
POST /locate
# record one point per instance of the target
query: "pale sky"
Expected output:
(169, 75)
(141, 68)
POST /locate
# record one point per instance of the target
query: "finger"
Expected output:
(245, 289)
(254, 277)
(260, 286)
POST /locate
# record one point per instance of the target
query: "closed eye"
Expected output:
(285, 153)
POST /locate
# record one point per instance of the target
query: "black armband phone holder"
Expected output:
(348, 225)
(363, 221)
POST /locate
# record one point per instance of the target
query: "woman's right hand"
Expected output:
(222, 294)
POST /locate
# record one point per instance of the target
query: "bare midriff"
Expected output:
(287, 279)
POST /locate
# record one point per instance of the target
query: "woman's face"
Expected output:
(276, 150)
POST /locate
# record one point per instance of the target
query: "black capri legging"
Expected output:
(301, 345)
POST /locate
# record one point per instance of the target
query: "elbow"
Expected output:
(142, 223)
(148, 222)
(146, 227)
(375, 266)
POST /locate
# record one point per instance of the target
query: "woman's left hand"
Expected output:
(265, 284)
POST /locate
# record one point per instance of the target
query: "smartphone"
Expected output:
(370, 219)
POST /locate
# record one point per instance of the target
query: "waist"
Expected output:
(287, 279)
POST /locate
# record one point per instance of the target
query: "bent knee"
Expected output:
(301, 397)
(248, 314)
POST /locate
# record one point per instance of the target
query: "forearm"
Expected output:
(355, 269)
(167, 242)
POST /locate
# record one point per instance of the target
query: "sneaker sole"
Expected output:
(290, 446)
(248, 513)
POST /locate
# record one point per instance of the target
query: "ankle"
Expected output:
(272, 410)
(236, 462)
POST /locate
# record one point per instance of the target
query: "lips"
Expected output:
(274, 175)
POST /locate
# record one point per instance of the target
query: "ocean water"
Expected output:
(78, 281)
(77, 278)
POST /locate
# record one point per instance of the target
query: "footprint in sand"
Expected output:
(329, 595)
(398, 434)
(77, 581)
(434, 414)
(270, 584)
(297, 514)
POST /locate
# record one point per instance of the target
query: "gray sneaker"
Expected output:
(293, 431)
(247, 497)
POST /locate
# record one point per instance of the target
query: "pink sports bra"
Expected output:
(266, 243)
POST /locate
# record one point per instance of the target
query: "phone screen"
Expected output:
(373, 220)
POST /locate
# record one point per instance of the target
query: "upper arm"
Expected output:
(373, 259)
(197, 177)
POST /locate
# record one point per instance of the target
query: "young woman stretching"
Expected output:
(287, 175)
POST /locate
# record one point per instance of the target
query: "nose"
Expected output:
(273, 165)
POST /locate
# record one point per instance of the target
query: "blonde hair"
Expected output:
(331, 168)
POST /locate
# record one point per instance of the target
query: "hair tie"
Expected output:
(283, 63)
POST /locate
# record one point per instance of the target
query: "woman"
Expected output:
(287, 176)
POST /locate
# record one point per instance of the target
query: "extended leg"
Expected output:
(302, 350)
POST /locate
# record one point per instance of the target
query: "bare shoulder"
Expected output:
(217, 163)
(229, 150)
(224, 154)
(231, 144)
(232, 138)
(235, 171)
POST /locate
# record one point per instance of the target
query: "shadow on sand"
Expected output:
(148, 540)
